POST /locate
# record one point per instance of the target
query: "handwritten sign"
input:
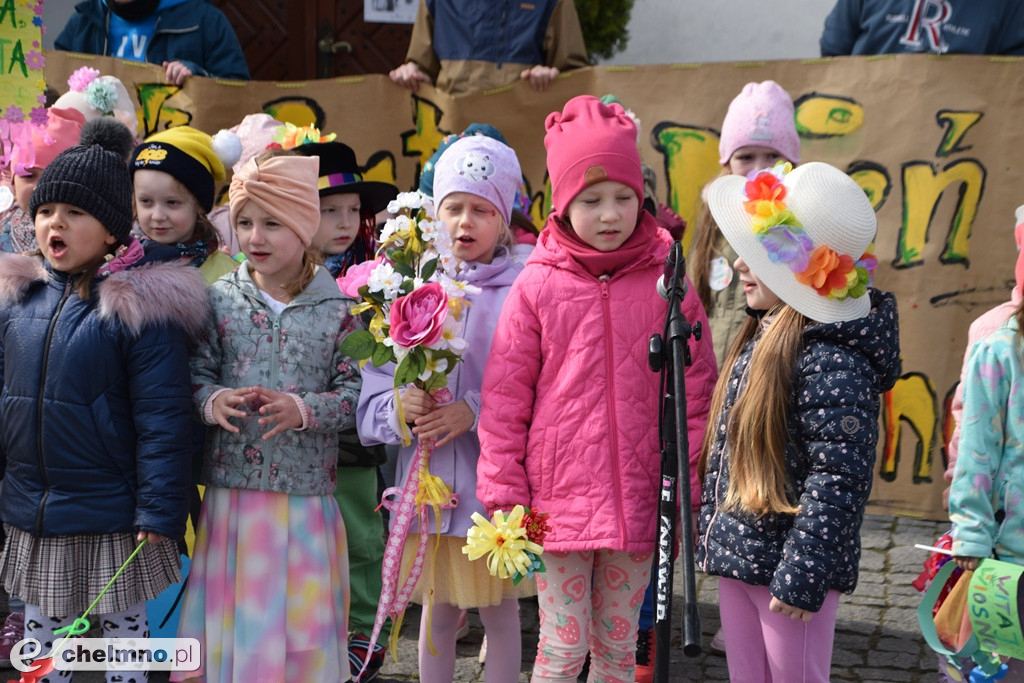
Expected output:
(21, 71)
(993, 600)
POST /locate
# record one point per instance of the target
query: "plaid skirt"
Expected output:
(64, 574)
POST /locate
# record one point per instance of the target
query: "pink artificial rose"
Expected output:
(355, 277)
(417, 319)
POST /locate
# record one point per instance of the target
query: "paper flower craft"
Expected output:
(511, 543)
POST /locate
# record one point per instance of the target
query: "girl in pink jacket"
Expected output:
(569, 417)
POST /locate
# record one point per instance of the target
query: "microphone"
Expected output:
(674, 278)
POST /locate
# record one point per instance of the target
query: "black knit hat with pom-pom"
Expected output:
(93, 179)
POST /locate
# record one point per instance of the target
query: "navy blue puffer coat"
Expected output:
(830, 460)
(95, 409)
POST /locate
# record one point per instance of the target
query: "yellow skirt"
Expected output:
(457, 581)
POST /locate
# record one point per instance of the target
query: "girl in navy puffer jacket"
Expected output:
(788, 459)
(96, 396)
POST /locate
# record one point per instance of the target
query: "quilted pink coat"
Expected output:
(569, 417)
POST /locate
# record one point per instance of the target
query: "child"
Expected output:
(95, 398)
(175, 172)
(348, 206)
(788, 462)
(758, 130)
(268, 588)
(476, 211)
(63, 127)
(569, 423)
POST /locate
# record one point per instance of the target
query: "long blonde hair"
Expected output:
(757, 427)
(703, 248)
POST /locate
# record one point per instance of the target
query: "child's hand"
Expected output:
(450, 421)
(232, 403)
(794, 613)
(968, 564)
(150, 537)
(280, 409)
(415, 403)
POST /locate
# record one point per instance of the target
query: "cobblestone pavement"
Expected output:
(877, 636)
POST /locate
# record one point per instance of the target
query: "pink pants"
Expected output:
(771, 647)
(590, 601)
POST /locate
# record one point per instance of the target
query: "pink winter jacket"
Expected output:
(569, 417)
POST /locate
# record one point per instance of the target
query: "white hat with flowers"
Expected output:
(807, 233)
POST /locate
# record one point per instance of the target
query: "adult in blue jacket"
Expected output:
(875, 27)
(186, 37)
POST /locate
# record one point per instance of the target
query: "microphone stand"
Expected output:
(671, 360)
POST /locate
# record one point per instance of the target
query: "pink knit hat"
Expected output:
(760, 116)
(63, 128)
(589, 142)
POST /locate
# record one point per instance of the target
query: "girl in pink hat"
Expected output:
(569, 418)
(758, 131)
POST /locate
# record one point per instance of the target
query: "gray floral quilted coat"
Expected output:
(843, 369)
(296, 352)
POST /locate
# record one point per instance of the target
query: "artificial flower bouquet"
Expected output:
(415, 300)
(415, 308)
(512, 542)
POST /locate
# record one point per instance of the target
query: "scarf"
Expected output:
(599, 263)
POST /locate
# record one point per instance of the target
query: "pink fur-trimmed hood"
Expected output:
(166, 292)
(17, 272)
(157, 293)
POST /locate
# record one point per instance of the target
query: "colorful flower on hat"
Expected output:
(101, 95)
(833, 275)
(82, 77)
(290, 135)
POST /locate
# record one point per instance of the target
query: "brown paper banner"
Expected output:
(933, 140)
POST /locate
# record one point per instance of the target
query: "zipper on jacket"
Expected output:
(610, 396)
(41, 400)
(272, 384)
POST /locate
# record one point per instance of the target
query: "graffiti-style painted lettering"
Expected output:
(298, 111)
(957, 123)
(912, 400)
(691, 160)
(923, 185)
(155, 116)
(873, 179)
(426, 137)
(827, 116)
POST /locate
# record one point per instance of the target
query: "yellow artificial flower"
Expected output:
(503, 541)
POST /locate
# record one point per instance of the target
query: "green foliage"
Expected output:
(358, 344)
(604, 26)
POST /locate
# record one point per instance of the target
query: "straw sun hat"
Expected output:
(806, 233)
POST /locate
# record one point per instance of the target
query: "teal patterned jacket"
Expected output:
(986, 498)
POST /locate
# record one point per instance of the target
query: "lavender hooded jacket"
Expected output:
(456, 461)
(570, 418)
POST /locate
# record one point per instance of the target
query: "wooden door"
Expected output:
(315, 39)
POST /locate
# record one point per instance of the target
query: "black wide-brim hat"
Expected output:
(340, 174)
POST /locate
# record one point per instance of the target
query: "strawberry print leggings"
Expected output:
(590, 601)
